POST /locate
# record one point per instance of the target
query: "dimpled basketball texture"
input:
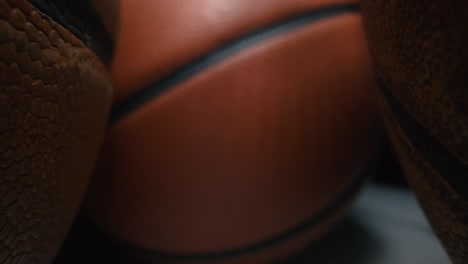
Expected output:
(419, 49)
(54, 100)
(240, 131)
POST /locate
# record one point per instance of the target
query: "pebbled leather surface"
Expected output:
(419, 49)
(82, 20)
(446, 211)
(54, 101)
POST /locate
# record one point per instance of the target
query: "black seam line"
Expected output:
(81, 20)
(318, 218)
(122, 109)
(445, 163)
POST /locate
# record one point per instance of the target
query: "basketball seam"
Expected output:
(445, 163)
(144, 254)
(81, 20)
(257, 36)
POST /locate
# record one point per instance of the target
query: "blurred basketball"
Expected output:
(419, 49)
(54, 100)
(240, 131)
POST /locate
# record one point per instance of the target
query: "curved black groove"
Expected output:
(102, 247)
(308, 224)
(80, 18)
(182, 74)
(445, 163)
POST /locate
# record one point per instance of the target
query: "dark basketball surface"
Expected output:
(420, 54)
(54, 100)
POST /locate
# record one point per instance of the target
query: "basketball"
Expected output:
(239, 132)
(55, 96)
(420, 55)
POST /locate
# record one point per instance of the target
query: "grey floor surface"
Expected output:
(386, 226)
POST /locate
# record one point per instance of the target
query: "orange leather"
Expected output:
(246, 149)
(157, 37)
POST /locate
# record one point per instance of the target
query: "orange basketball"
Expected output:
(240, 130)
